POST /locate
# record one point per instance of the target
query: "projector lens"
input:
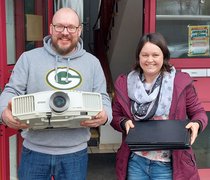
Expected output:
(59, 102)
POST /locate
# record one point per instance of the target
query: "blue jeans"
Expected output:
(140, 168)
(39, 166)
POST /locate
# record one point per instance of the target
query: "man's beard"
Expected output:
(63, 50)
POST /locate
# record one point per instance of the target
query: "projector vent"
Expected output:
(92, 101)
(23, 105)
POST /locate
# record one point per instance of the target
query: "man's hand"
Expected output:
(99, 119)
(9, 120)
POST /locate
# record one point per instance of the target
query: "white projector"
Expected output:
(56, 109)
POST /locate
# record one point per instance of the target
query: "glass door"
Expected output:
(23, 25)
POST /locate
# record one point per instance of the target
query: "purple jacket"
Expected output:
(185, 103)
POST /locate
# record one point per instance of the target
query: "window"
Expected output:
(185, 25)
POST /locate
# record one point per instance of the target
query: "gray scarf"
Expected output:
(145, 104)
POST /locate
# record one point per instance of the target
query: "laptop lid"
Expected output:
(159, 134)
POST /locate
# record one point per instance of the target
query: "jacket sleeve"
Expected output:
(120, 104)
(185, 101)
(195, 110)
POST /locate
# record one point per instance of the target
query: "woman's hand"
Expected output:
(129, 124)
(194, 127)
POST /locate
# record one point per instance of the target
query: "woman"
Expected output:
(154, 90)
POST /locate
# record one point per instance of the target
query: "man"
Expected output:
(61, 64)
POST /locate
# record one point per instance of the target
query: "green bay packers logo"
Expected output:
(64, 78)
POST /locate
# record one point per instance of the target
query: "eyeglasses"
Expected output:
(70, 28)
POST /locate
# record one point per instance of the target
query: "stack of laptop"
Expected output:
(158, 135)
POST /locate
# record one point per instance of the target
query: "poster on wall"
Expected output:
(34, 27)
(198, 40)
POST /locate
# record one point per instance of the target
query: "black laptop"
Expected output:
(158, 135)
